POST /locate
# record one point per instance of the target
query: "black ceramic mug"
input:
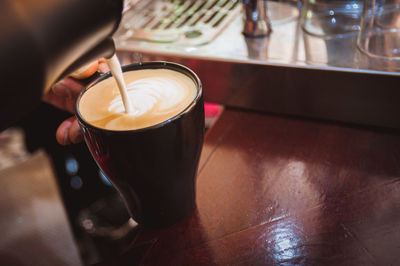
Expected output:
(154, 168)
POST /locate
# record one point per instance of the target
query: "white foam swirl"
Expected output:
(150, 94)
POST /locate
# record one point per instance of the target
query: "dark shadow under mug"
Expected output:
(154, 168)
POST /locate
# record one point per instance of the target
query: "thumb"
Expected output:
(85, 71)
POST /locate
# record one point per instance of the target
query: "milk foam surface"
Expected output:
(156, 96)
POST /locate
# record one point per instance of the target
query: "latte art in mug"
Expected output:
(156, 96)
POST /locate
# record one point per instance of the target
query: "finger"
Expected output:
(75, 133)
(69, 132)
(62, 133)
(103, 67)
(67, 88)
(86, 71)
(63, 94)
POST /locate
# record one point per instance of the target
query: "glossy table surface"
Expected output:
(281, 191)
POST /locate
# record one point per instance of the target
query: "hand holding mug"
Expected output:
(63, 95)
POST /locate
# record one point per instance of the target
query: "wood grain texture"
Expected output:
(280, 191)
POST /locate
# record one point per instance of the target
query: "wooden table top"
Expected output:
(281, 191)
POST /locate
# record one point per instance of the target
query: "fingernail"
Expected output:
(103, 68)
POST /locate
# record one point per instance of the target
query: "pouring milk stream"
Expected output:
(116, 71)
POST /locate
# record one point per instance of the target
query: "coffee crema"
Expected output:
(156, 95)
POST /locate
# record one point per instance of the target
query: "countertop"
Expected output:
(271, 190)
(281, 191)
